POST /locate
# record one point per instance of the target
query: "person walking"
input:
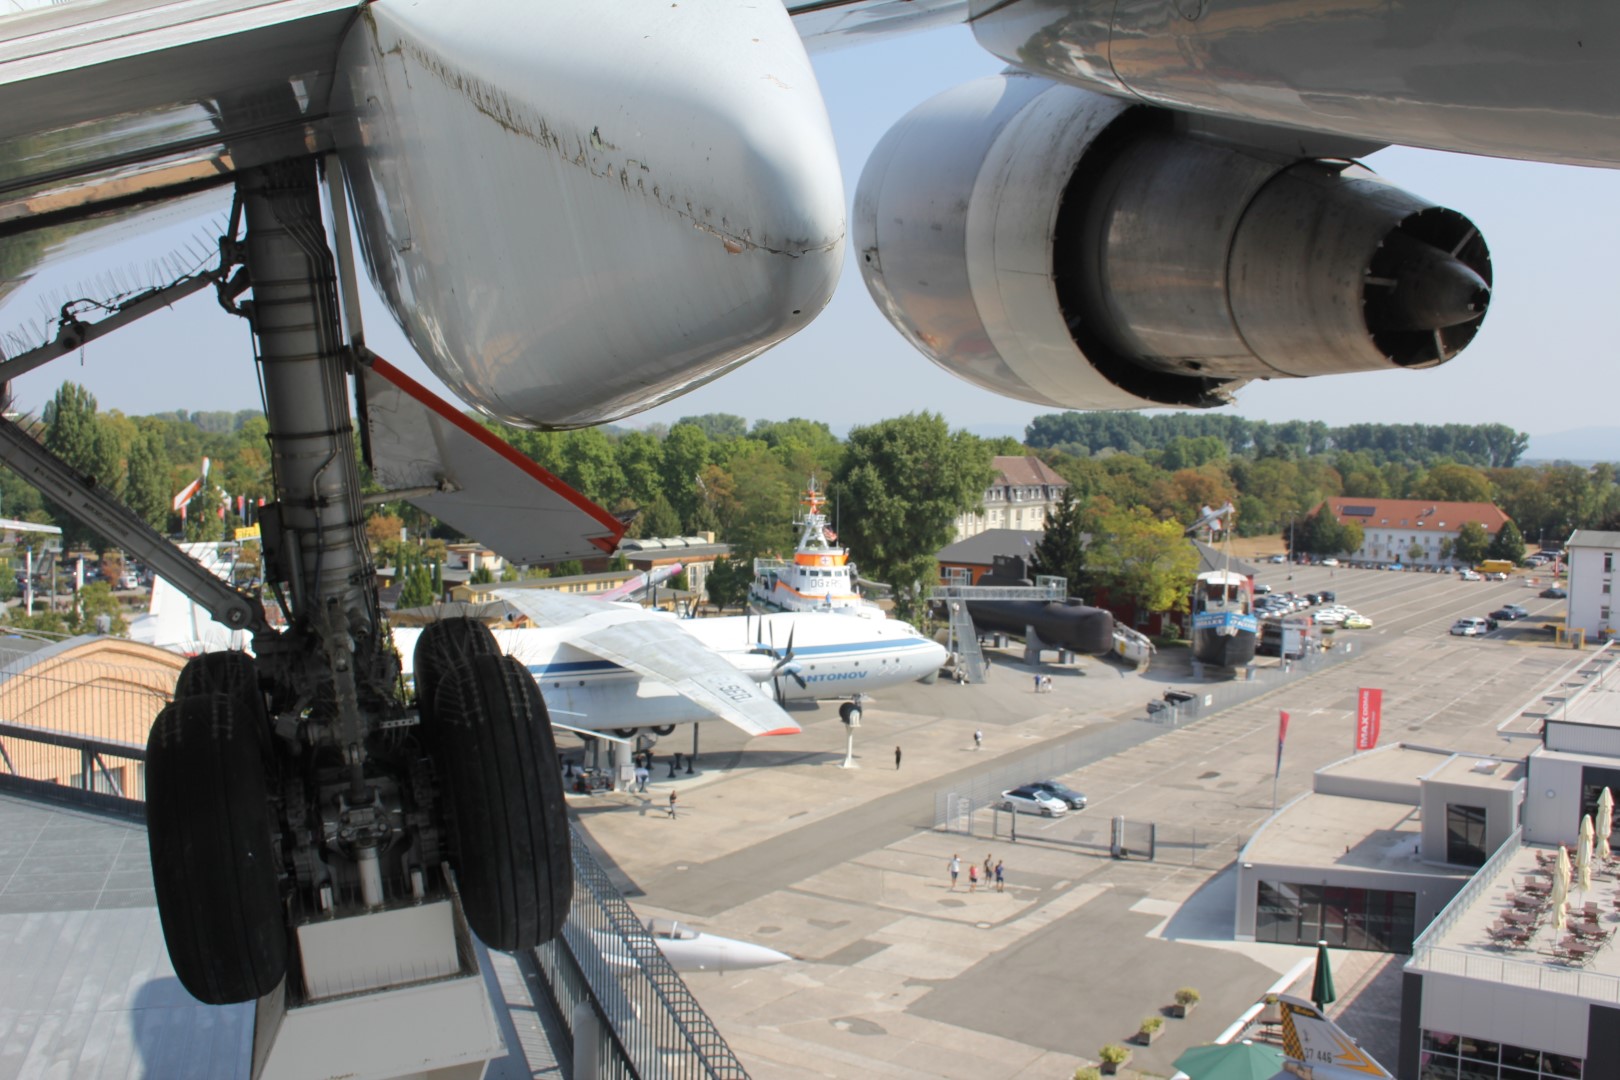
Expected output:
(973, 878)
(955, 868)
(642, 776)
(978, 740)
(1037, 684)
(672, 806)
(897, 759)
(987, 871)
(1001, 880)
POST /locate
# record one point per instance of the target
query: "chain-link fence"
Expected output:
(960, 808)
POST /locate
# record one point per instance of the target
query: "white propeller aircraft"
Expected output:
(623, 669)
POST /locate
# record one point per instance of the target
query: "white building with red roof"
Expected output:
(1394, 529)
(1024, 492)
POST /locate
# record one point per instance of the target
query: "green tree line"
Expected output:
(894, 487)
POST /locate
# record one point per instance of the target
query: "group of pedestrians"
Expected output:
(1043, 684)
(996, 873)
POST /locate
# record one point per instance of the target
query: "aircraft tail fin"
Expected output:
(1312, 1039)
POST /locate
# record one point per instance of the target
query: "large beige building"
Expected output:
(1412, 532)
(1025, 490)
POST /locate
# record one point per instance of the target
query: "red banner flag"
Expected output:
(1282, 734)
(1369, 717)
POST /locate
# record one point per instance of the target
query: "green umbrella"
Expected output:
(1238, 1061)
(1322, 990)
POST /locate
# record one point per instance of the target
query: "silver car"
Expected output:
(1029, 800)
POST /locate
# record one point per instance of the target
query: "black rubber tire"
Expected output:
(445, 646)
(626, 732)
(214, 859)
(216, 673)
(508, 822)
(849, 713)
(663, 730)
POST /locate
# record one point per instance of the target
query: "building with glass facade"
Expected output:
(1377, 847)
(1499, 987)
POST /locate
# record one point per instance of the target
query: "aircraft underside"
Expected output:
(578, 211)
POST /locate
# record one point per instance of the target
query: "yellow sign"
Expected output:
(248, 532)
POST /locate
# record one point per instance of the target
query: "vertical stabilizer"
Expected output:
(1311, 1039)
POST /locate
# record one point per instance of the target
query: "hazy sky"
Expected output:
(1544, 362)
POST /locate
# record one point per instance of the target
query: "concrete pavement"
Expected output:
(898, 975)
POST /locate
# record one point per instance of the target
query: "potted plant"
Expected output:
(1113, 1056)
(1271, 1011)
(1087, 1072)
(1152, 1027)
(1186, 1001)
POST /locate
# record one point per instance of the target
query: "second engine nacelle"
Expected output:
(1071, 249)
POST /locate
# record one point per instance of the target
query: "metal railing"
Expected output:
(1428, 955)
(650, 1025)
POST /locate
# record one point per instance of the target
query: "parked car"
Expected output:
(1470, 626)
(1072, 798)
(1553, 592)
(1469, 575)
(1261, 589)
(1328, 596)
(1496, 575)
(1030, 800)
(1509, 612)
(1355, 621)
(1330, 562)
(1279, 559)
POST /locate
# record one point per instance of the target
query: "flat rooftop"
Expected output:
(88, 987)
(1479, 772)
(1597, 704)
(1390, 764)
(1335, 830)
(1461, 943)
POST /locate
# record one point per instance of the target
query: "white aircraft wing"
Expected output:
(657, 648)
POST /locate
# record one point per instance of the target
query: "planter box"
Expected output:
(1110, 1069)
(1145, 1038)
(1181, 1012)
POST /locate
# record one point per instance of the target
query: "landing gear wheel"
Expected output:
(447, 645)
(663, 730)
(508, 827)
(211, 833)
(626, 732)
(217, 673)
(850, 713)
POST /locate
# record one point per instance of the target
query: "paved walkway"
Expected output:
(899, 975)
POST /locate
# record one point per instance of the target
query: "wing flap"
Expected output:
(446, 465)
(655, 647)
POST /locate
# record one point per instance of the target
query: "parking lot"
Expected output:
(899, 975)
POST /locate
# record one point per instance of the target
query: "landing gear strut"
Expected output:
(298, 786)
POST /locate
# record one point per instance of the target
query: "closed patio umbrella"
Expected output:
(1560, 894)
(1322, 985)
(1605, 823)
(1583, 859)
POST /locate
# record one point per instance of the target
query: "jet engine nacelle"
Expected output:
(1074, 250)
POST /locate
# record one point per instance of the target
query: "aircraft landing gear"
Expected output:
(291, 791)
